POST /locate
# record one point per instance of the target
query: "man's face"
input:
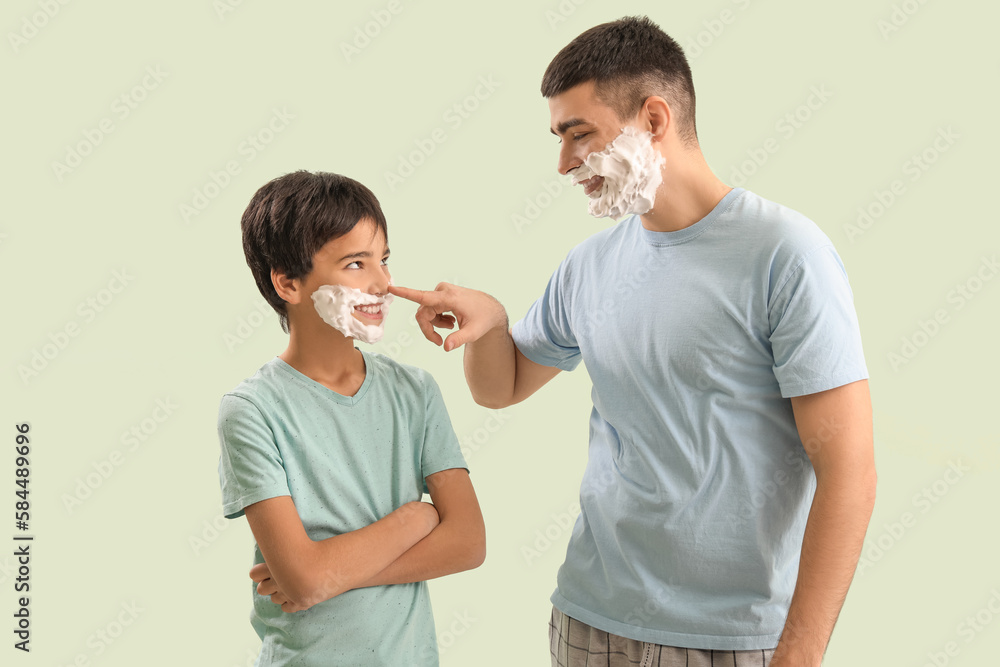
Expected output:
(617, 163)
(359, 259)
(584, 125)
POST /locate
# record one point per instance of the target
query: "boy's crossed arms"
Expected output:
(415, 542)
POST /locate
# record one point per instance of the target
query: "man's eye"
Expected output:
(577, 137)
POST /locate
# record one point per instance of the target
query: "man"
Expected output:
(731, 477)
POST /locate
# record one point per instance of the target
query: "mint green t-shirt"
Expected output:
(346, 461)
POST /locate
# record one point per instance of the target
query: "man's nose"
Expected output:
(567, 160)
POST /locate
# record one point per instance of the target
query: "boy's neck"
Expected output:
(326, 356)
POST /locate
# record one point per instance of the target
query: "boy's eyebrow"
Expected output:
(566, 124)
(362, 254)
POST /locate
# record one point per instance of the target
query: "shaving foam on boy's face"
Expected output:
(631, 172)
(350, 311)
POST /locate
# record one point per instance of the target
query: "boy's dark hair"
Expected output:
(290, 218)
(628, 60)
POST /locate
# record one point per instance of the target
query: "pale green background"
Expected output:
(163, 336)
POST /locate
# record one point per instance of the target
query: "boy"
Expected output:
(328, 449)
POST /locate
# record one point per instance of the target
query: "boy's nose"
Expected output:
(380, 283)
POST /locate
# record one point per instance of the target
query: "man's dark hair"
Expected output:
(290, 218)
(628, 60)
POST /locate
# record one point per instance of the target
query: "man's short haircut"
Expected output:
(628, 60)
(290, 218)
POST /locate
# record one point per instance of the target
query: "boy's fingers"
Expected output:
(267, 587)
(260, 572)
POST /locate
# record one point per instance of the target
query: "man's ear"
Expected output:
(289, 289)
(659, 116)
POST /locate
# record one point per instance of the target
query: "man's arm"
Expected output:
(497, 372)
(308, 571)
(836, 430)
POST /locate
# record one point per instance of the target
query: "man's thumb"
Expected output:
(457, 339)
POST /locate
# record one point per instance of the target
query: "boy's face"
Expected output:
(359, 259)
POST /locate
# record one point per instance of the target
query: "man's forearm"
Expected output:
(831, 546)
(491, 367)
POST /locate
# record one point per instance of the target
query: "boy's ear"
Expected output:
(289, 289)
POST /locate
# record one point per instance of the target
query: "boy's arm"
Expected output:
(458, 543)
(308, 571)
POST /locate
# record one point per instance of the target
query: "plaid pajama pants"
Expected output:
(576, 644)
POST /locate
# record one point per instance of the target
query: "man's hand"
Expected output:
(476, 313)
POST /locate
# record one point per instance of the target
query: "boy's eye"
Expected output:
(385, 261)
(353, 265)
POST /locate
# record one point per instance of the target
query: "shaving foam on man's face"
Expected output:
(350, 311)
(623, 178)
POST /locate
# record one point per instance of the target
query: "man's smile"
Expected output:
(592, 185)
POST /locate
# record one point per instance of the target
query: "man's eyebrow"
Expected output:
(363, 254)
(566, 124)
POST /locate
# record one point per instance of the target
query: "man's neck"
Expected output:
(689, 192)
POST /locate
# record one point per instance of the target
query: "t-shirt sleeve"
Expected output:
(440, 450)
(815, 336)
(545, 335)
(250, 466)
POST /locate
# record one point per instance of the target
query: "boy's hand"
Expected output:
(268, 587)
(417, 512)
(475, 312)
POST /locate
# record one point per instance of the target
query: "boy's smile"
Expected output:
(371, 313)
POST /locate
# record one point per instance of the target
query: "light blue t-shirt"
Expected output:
(697, 487)
(346, 461)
